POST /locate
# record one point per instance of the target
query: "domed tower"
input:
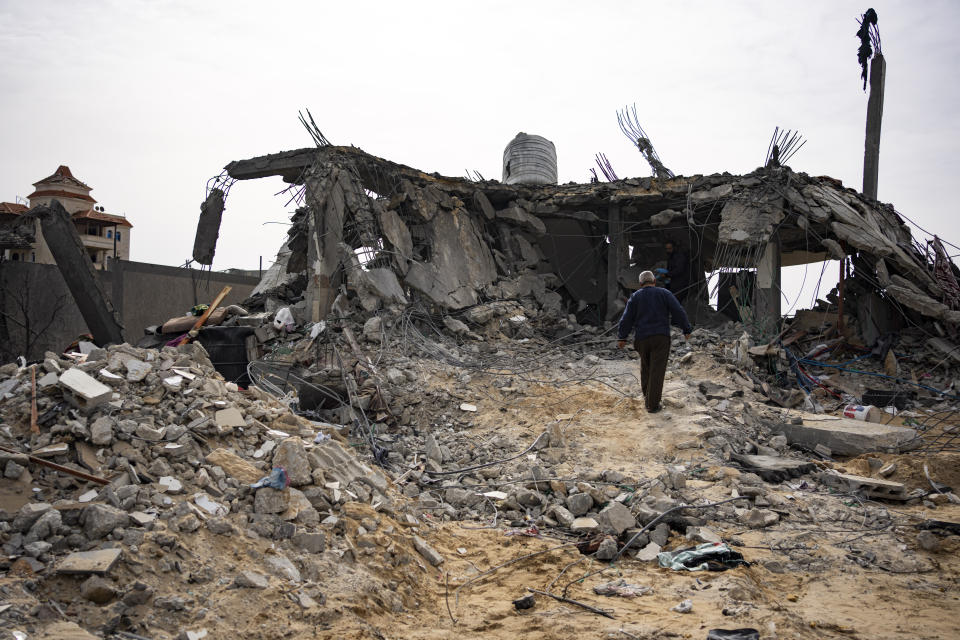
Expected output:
(72, 194)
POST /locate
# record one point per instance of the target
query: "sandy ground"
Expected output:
(904, 592)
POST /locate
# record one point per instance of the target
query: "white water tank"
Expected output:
(530, 160)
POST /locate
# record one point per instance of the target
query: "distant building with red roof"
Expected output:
(104, 235)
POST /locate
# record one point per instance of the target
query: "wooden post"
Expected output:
(871, 152)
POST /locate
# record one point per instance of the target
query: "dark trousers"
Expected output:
(654, 351)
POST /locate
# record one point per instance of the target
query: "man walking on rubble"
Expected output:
(649, 314)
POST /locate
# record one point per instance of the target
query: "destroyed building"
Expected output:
(386, 234)
(417, 426)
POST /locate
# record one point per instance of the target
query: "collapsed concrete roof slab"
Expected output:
(850, 437)
(450, 239)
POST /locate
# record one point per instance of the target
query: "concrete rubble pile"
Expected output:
(180, 447)
(451, 477)
(154, 455)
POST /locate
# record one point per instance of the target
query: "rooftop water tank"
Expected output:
(530, 160)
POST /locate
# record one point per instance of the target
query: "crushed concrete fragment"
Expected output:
(584, 525)
(251, 580)
(83, 391)
(428, 552)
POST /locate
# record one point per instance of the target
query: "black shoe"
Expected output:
(654, 410)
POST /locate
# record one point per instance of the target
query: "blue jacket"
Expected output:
(650, 311)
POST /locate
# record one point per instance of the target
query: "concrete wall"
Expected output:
(144, 295)
(36, 294)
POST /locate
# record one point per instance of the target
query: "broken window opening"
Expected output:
(371, 257)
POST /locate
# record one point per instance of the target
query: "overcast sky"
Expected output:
(145, 101)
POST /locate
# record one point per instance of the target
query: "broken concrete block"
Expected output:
(29, 514)
(584, 525)
(395, 376)
(169, 484)
(703, 535)
(519, 216)
(137, 370)
(648, 553)
(90, 562)
(428, 552)
(47, 380)
(83, 391)
(141, 518)
(773, 468)
(149, 433)
(292, 456)
(45, 526)
(455, 326)
(579, 503)
(433, 451)
(373, 329)
(100, 520)
(383, 285)
(97, 590)
(759, 518)
(251, 580)
(850, 437)
(234, 466)
(52, 451)
(269, 500)
(873, 487)
(616, 518)
(229, 418)
(562, 515)
(310, 542)
(607, 549)
(928, 541)
(281, 567)
(101, 431)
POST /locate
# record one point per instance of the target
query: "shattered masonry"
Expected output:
(453, 243)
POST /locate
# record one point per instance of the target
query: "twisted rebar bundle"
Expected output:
(630, 125)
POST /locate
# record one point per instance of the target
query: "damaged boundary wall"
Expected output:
(389, 234)
(143, 294)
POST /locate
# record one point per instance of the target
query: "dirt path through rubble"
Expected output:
(607, 430)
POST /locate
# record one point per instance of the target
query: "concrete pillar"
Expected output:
(327, 197)
(616, 259)
(871, 152)
(766, 305)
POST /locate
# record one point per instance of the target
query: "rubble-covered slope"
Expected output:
(461, 467)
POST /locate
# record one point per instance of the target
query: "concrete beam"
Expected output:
(871, 152)
(208, 227)
(78, 272)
